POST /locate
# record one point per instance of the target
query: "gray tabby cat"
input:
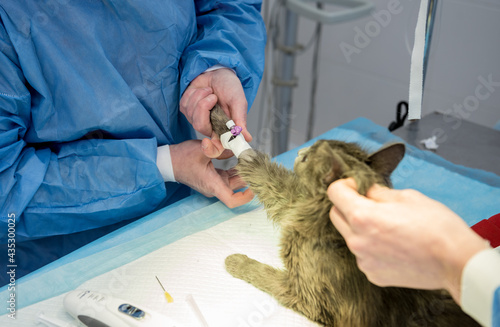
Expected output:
(321, 279)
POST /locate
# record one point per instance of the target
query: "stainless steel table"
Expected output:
(460, 141)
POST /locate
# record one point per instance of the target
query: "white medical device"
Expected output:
(100, 310)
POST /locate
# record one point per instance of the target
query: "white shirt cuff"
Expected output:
(215, 67)
(480, 279)
(164, 163)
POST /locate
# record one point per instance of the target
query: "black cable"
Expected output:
(400, 118)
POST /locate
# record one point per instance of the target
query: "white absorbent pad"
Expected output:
(193, 266)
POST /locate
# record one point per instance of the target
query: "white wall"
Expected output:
(370, 82)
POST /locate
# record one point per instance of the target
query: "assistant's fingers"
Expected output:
(381, 193)
(344, 195)
(340, 223)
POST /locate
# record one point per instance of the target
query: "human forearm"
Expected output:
(455, 248)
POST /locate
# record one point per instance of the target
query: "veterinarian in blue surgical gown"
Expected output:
(88, 92)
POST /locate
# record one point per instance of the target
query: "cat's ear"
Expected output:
(387, 158)
(338, 167)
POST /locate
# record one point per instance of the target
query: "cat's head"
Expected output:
(329, 160)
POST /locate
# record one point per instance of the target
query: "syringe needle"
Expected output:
(169, 298)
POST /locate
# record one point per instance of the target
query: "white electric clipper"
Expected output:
(100, 310)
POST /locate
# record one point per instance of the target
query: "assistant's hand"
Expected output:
(194, 169)
(403, 238)
(222, 86)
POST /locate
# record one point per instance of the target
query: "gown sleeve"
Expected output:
(229, 33)
(73, 186)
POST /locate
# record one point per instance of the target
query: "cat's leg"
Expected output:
(263, 277)
(273, 184)
(272, 281)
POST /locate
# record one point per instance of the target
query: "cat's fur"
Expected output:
(321, 279)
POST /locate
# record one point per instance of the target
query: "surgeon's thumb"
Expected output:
(212, 148)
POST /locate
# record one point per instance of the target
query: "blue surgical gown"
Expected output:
(90, 89)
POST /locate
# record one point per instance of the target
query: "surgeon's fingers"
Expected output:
(225, 186)
(201, 114)
(238, 113)
(240, 119)
(210, 149)
(246, 134)
(213, 148)
(234, 199)
(196, 104)
(191, 96)
(235, 181)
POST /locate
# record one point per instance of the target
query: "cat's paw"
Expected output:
(235, 264)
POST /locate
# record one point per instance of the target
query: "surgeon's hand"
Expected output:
(194, 169)
(224, 87)
(403, 238)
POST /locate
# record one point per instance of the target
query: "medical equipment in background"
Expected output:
(401, 115)
(420, 57)
(283, 79)
(96, 309)
(419, 63)
(282, 22)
